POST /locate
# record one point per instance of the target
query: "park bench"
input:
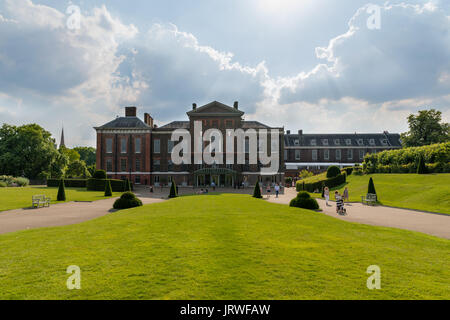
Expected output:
(40, 201)
(369, 199)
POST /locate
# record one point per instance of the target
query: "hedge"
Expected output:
(406, 160)
(69, 183)
(330, 183)
(127, 200)
(100, 185)
(304, 200)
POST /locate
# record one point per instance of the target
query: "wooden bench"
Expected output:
(40, 201)
(370, 199)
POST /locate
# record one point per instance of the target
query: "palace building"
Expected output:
(128, 147)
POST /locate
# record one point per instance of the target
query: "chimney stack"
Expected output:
(194, 106)
(236, 105)
(288, 132)
(130, 111)
(300, 132)
(148, 120)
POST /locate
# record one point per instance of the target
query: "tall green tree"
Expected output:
(27, 150)
(257, 191)
(426, 128)
(77, 169)
(72, 154)
(87, 154)
(61, 191)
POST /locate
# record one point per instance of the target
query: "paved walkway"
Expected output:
(58, 214)
(76, 212)
(433, 224)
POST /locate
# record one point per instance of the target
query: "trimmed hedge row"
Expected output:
(330, 183)
(406, 160)
(411, 168)
(69, 183)
(100, 185)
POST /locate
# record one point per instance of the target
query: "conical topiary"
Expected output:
(108, 189)
(173, 190)
(371, 188)
(61, 191)
(257, 191)
(422, 168)
(127, 186)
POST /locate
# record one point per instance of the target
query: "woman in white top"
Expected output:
(327, 194)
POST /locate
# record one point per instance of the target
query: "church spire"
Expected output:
(62, 144)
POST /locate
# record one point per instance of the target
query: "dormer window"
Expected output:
(296, 142)
(348, 142)
(325, 142)
(313, 142)
(360, 142)
(337, 142)
(384, 142)
(372, 142)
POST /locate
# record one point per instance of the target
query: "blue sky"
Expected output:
(303, 64)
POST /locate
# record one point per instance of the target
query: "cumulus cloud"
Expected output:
(365, 80)
(409, 57)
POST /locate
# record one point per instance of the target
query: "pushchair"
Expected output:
(340, 207)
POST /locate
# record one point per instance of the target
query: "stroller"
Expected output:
(340, 206)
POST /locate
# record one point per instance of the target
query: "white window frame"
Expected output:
(157, 142)
(109, 148)
(123, 145)
(314, 155)
(298, 155)
(338, 151)
(137, 143)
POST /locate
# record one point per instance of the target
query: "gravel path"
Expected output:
(433, 224)
(57, 214)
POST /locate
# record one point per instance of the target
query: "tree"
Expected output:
(71, 154)
(425, 129)
(173, 190)
(99, 174)
(305, 174)
(87, 154)
(127, 186)
(28, 151)
(108, 189)
(61, 191)
(77, 169)
(371, 188)
(422, 168)
(257, 191)
(333, 171)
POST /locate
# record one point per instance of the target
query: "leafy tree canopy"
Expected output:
(26, 150)
(87, 154)
(425, 129)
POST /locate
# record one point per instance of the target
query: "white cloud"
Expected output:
(366, 80)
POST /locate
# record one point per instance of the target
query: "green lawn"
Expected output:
(422, 192)
(222, 247)
(15, 198)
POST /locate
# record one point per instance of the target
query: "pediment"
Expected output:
(215, 108)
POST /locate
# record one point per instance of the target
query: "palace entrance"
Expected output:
(222, 177)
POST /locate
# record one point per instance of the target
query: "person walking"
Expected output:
(326, 193)
(345, 195)
(277, 189)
